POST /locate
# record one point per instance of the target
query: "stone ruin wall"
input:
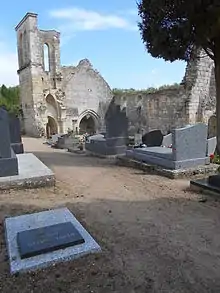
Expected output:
(160, 110)
(193, 101)
(66, 94)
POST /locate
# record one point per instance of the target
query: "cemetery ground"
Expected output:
(156, 235)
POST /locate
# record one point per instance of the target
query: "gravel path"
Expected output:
(155, 234)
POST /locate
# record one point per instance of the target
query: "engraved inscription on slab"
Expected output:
(47, 239)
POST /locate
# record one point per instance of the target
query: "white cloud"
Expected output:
(8, 66)
(78, 19)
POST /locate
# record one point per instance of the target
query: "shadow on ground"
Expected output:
(64, 158)
(161, 245)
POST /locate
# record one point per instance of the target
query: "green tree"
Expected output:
(9, 97)
(175, 29)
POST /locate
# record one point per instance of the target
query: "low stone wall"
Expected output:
(162, 110)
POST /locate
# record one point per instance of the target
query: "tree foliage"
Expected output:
(175, 29)
(150, 90)
(172, 28)
(9, 97)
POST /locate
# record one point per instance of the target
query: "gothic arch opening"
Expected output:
(88, 124)
(46, 58)
(51, 127)
(52, 108)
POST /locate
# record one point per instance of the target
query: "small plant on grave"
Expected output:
(215, 159)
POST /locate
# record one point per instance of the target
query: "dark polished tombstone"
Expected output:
(48, 239)
(15, 134)
(116, 127)
(8, 159)
(115, 139)
(153, 138)
(211, 184)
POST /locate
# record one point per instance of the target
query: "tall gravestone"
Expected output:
(116, 127)
(8, 159)
(15, 134)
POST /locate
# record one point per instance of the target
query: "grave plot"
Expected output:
(41, 239)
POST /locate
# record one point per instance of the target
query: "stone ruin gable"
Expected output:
(199, 81)
(162, 110)
(66, 94)
(85, 92)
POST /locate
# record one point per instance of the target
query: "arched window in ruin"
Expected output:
(20, 50)
(46, 58)
(25, 48)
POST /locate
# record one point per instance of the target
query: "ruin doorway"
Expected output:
(87, 125)
(51, 127)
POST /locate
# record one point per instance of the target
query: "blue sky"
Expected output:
(105, 32)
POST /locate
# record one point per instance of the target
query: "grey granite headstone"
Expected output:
(8, 159)
(115, 139)
(5, 142)
(153, 138)
(189, 142)
(116, 122)
(189, 149)
(15, 134)
(211, 145)
(167, 140)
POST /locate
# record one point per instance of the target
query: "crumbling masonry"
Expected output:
(57, 98)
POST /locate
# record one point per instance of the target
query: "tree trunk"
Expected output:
(217, 82)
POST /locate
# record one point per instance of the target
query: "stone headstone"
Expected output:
(116, 126)
(211, 145)
(212, 126)
(189, 142)
(189, 149)
(116, 122)
(54, 138)
(115, 140)
(138, 138)
(153, 138)
(15, 134)
(50, 238)
(5, 142)
(8, 159)
(167, 140)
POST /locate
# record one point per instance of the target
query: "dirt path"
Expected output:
(156, 235)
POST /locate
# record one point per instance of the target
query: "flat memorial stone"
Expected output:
(31, 223)
(42, 240)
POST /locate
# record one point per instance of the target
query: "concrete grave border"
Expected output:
(32, 173)
(26, 222)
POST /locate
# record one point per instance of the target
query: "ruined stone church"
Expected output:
(57, 98)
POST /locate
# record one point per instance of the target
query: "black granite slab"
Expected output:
(47, 239)
(205, 184)
(214, 180)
